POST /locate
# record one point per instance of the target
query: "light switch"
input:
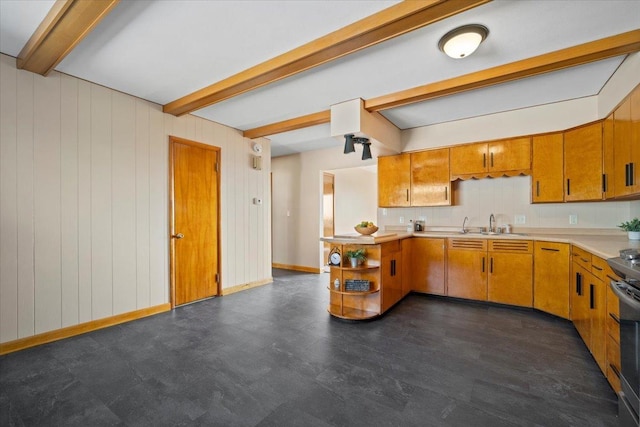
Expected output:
(573, 219)
(520, 219)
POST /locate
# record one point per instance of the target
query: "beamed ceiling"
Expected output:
(274, 68)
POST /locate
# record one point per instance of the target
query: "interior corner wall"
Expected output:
(297, 208)
(84, 202)
(623, 81)
(355, 198)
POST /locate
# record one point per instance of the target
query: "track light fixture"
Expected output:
(350, 140)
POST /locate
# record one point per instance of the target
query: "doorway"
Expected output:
(328, 212)
(194, 220)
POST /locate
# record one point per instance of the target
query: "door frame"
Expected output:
(172, 255)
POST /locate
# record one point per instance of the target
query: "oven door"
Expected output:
(629, 344)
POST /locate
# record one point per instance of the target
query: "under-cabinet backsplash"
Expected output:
(507, 198)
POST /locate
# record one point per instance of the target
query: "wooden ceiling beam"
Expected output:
(379, 27)
(597, 50)
(66, 24)
(287, 125)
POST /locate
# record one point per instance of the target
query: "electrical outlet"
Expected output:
(573, 219)
(422, 218)
(384, 211)
(520, 219)
(401, 219)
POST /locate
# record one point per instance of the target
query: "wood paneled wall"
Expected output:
(84, 202)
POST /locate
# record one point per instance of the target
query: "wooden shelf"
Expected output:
(372, 291)
(350, 313)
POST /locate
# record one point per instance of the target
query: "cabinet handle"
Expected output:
(407, 194)
(578, 283)
(550, 249)
(604, 183)
(584, 259)
(592, 296)
(491, 265)
(596, 267)
(484, 160)
(446, 193)
(483, 264)
(568, 186)
(626, 175)
(537, 188)
(614, 317)
(491, 159)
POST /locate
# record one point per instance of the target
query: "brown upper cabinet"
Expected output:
(547, 162)
(494, 158)
(608, 159)
(583, 163)
(626, 146)
(394, 180)
(430, 184)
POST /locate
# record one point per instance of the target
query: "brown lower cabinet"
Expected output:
(551, 278)
(467, 268)
(510, 278)
(428, 260)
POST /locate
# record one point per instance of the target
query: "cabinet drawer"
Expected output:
(614, 379)
(598, 268)
(582, 257)
(513, 246)
(613, 354)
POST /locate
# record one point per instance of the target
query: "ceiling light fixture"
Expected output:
(350, 140)
(463, 41)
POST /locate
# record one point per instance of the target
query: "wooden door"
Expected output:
(468, 159)
(597, 316)
(467, 269)
(608, 158)
(510, 279)
(580, 301)
(547, 162)
(428, 265)
(551, 278)
(635, 141)
(583, 163)
(510, 155)
(394, 180)
(195, 206)
(622, 148)
(430, 180)
(391, 273)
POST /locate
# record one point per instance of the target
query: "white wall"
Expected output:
(505, 198)
(356, 198)
(84, 202)
(635, 209)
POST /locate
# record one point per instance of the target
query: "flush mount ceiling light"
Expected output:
(350, 140)
(463, 41)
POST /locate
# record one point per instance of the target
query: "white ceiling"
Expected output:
(162, 50)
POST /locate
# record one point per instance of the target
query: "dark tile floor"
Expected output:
(272, 356)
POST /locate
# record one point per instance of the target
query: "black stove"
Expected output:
(627, 266)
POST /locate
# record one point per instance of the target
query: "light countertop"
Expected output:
(604, 245)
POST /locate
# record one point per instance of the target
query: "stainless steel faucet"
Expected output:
(492, 219)
(464, 230)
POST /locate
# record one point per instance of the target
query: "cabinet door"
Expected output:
(635, 141)
(430, 181)
(467, 269)
(407, 273)
(394, 180)
(608, 159)
(428, 261)
(468, 159)
(547, 182)
(622, 148)
(391, 272)
(583, 163)
(551, 278)
(510, 279)
(597, 315)
(580, 301)
(510, 155)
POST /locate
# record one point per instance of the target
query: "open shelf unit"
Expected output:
(356, 305)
